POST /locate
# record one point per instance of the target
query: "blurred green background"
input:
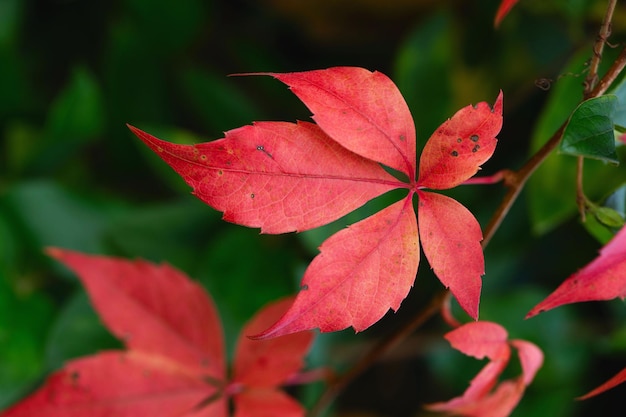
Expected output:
(73, 72)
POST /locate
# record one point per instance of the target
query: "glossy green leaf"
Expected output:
(589, 132)
(619, 116)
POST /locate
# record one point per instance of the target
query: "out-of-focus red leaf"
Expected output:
(360, 274)
(279, 176)
(451, 237)
(268, 363)
(152, 308)
(616, 380)
(175, 365)
(460, 145)
(603, 279)
(503, 10)
(120, 384)
(362, 110)
(486, 339)
(266, 403)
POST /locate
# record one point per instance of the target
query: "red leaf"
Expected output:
(451, 241)
(278, 176)
(284, 177)
(268, 363)
(460, 145)
(119, 384)
(503, 10)
(611, 383)
(153, 309)
(603, 279)
(485, 339)
(362, 110)
(361, 273)
(175, 366)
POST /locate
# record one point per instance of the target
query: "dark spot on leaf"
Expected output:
(220, 172)
(260, 148)
(474, 138)
(203, 157)
(74, 377)
(454, 153)
(459, 140)
(476, 148)
(402, 138)
(160, 149)
(252, 195)
(304, 287)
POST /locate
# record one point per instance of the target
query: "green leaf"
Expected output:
(619, 117)
(589, 132)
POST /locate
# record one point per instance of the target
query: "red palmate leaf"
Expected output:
(175, 364)
(603, 279)
(486, 339)
(283, 177)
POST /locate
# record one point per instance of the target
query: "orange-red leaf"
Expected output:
(278, 176)
(460, 145)
(451, 237)
(603, 279)
(361, 273)
(268, 363)
(616, 380)
(362, 110)
(121, 384)
(153, 308)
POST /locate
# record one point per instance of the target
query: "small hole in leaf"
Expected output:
(474, 138)
(203, 157)
(260, 148)
(459, 140)
(252, 195)
(476, 148)
(454, 153)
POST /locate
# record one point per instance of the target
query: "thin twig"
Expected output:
(598, 48)
(376, 352)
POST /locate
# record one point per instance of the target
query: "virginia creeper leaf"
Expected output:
(590, 130)
(486, 339)
(278, 176)
(602, 279)
(174, 365)
(614, 381)
(460, 145)
(360, 273)
(362, 110)
(451, 241)
(283, 177)
(504, 9)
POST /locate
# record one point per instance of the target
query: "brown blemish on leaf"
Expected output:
(454, 153)
(474, 138)
(203, 158)
(476, 148)
(459, 140)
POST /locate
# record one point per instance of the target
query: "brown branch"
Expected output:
(598, 48)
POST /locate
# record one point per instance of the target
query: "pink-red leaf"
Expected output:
(361, 273)
(451, 238)
(460, 145)
(603, 279)
(362, 110)
(619, 378)
(504, 9)
(278, 176)
(485, 339)
(153, 308)
(268, 363)
(122, 385)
